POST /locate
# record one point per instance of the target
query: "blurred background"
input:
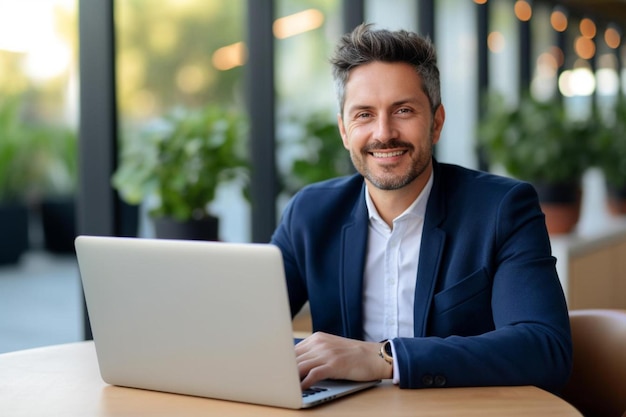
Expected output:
(117, 116)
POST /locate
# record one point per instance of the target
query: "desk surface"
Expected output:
(64, 380)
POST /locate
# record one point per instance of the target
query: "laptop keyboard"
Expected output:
(312, 391)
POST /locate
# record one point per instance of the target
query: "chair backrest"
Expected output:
(597, 386)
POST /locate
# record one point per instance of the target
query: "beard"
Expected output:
(389, 178)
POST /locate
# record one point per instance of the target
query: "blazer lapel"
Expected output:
(430, 257)
(433, 242)
(352, 259)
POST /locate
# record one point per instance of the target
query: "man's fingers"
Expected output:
(316, 374)
(311, 367)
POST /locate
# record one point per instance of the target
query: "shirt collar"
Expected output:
(417, 208)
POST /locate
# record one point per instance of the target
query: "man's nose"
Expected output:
(384, 129)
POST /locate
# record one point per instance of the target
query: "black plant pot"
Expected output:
(129, 219)
(559, 193)
(201, 229)
(561, 205)
(13, 232)
(58, 220)
(616, 199)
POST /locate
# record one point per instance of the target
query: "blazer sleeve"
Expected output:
(282, 237)
(530, 343)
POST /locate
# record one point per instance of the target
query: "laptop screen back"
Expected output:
(199, 318)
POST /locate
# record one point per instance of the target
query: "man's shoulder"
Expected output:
(475, 180)
(329, 198)
(475, 204)
(351, 185)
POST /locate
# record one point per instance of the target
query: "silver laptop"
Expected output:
(208, 319)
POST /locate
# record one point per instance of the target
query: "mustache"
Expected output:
(390, 144)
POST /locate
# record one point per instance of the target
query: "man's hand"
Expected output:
(324, 356)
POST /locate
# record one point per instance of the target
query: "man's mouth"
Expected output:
(378, 154)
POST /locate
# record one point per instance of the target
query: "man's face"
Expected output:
(387, 124)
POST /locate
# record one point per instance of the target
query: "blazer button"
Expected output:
(440, 381)
(427, 380)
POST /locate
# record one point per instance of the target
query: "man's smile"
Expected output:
(379, 154)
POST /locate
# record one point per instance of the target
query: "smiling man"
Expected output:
(428, 273)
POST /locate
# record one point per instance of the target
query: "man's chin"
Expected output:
(389, 183)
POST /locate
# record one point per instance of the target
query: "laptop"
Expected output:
(208, 319)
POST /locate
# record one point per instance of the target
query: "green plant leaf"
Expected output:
(535, 141)
(182, 159)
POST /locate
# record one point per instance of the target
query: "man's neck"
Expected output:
(391, 203)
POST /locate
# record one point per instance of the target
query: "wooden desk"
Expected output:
(65, 381)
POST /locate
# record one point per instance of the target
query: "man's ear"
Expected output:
(438, 120)
(342, 131)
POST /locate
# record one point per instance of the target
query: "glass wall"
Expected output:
(393, 15)
(309, 146)
(503, 42)
(456, 42)
(180, 62)
(40, 299)
(545, 58)
(38, 111)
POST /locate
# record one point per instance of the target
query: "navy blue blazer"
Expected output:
(489, 307)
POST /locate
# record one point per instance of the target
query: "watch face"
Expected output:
(385, 352)
(388, 350)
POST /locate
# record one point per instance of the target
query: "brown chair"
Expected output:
(597, 386)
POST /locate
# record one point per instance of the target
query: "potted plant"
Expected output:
(16, 171)
(58, 190)
(610, 157)
(319, 152)
(176, 165)
(535, 142)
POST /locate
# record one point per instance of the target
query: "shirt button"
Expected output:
(427, 380)
(440, 381)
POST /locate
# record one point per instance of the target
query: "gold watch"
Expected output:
(386, 353)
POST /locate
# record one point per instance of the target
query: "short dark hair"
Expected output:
(364, 45)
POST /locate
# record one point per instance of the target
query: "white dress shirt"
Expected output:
(391, 271)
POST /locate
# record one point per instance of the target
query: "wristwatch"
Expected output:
(386, 353)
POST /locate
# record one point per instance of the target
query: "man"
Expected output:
(428, 273)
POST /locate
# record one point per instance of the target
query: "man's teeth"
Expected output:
(387, 154)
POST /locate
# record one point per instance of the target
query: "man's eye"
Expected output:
(404, 110)
(363, 115)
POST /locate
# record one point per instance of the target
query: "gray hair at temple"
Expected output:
(364, 45)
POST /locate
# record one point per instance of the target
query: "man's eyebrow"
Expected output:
(404, 101)
(358, 107)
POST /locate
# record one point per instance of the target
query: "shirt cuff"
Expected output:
(396, 373)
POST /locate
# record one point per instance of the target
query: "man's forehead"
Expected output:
(362, 88)
(383, 73)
